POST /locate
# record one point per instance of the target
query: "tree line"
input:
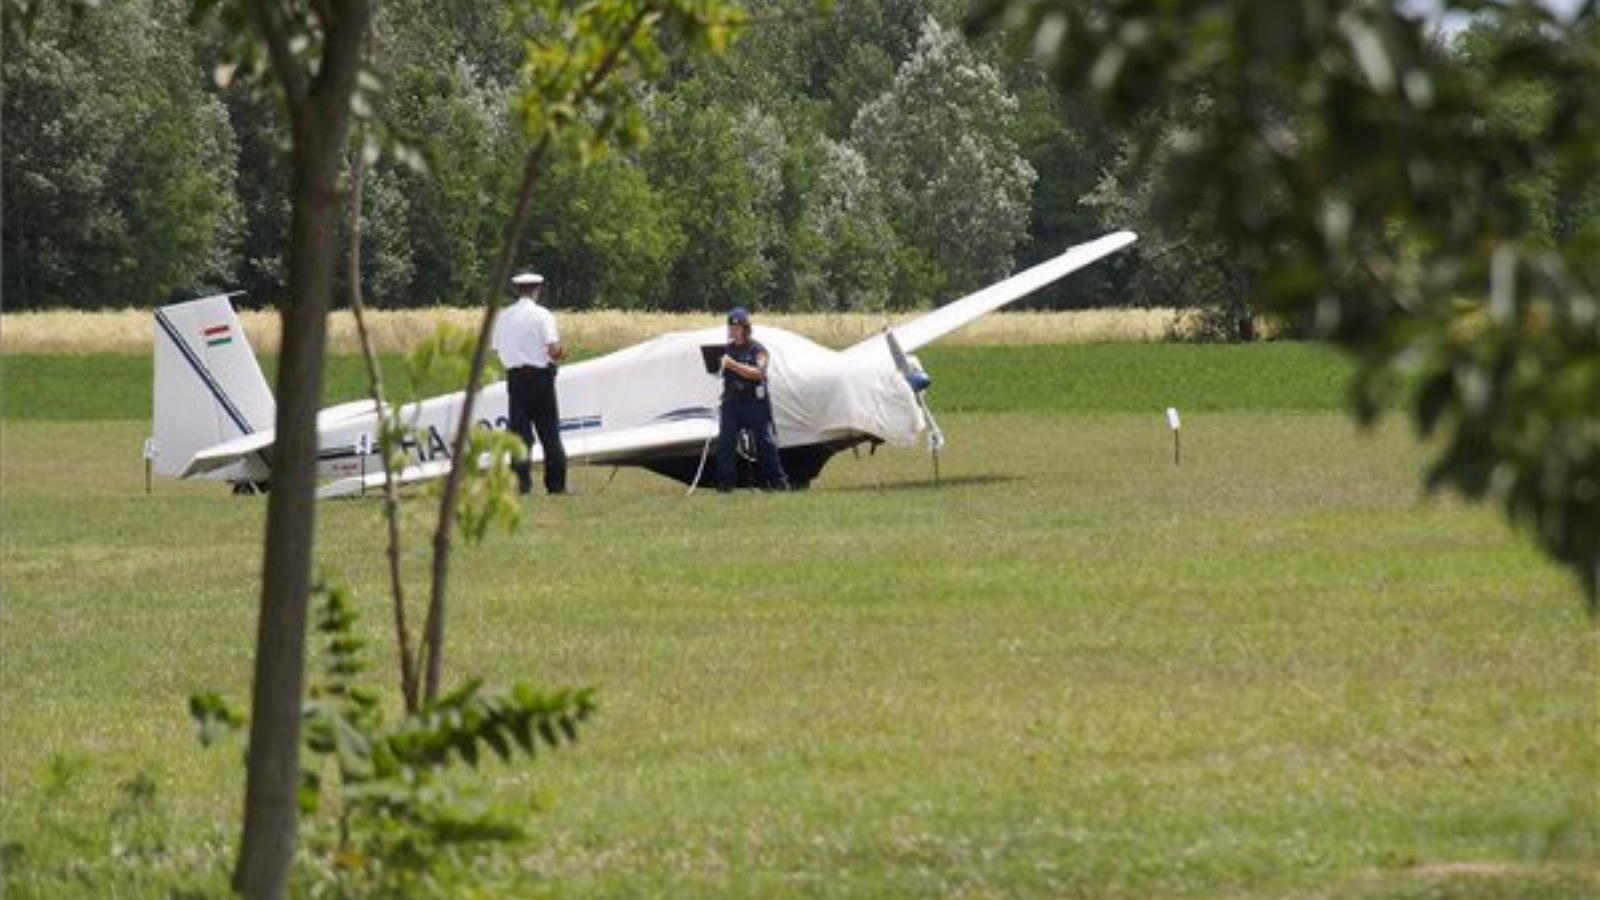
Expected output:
(870, 158)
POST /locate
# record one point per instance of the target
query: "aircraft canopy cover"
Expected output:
(818, 394)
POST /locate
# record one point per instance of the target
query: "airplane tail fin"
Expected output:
(209, 388)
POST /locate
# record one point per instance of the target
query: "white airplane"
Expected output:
(652, 405)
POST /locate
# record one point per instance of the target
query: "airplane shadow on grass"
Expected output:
(928, 484)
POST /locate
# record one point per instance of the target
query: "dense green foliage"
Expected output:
(1073, 671)
(728, 205)
(867, 157)
(1045, 379)
(119, 162)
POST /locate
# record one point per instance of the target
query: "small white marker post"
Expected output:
(149, 461)
(1177, 443)
(363, 449)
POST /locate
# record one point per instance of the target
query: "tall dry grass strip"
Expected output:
(130, 330)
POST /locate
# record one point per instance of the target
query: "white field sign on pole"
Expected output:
(364, 449)
(1177, 446)
(149, 461)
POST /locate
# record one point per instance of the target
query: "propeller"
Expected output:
(920, 380)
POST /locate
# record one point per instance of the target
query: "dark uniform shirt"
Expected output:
(735, 387)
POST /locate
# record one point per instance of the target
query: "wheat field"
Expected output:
(129, 330)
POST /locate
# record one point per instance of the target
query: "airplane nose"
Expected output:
(919, 380)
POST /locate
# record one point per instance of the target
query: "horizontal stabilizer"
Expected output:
(241, 448)
(227, 453)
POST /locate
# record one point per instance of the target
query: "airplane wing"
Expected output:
(356, 484)
(951, 316)
(621, 447)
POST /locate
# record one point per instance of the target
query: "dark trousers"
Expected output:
(754, 416)
(531, 398)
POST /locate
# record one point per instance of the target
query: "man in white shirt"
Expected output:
(529, 347)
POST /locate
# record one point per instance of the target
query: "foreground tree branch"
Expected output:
(391, 491)
(433, 626)
(587, 85)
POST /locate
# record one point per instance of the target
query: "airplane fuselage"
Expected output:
(654, 404)
(660, 381)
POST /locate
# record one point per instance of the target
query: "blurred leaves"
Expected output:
(443, 356)
(1397, 208)
(214, 715)
(488, 493)
(390, 821)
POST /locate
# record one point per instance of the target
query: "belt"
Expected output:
(527, 369)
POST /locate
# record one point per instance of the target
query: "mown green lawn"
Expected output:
(1073, 670)
(1081, 378)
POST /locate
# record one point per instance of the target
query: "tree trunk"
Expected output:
(318, 99)
(317, 95)
(270, 805)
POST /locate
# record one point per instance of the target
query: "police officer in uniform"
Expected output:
(746, 407)
(529, 347)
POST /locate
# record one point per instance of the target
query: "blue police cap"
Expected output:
(738, 316)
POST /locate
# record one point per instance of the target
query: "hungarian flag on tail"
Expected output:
(217, 335)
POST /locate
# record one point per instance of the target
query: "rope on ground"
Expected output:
(700, 469)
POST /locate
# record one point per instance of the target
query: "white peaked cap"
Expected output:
(527, 278)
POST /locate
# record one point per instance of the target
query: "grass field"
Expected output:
(1043, 379)
(1074, 670)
